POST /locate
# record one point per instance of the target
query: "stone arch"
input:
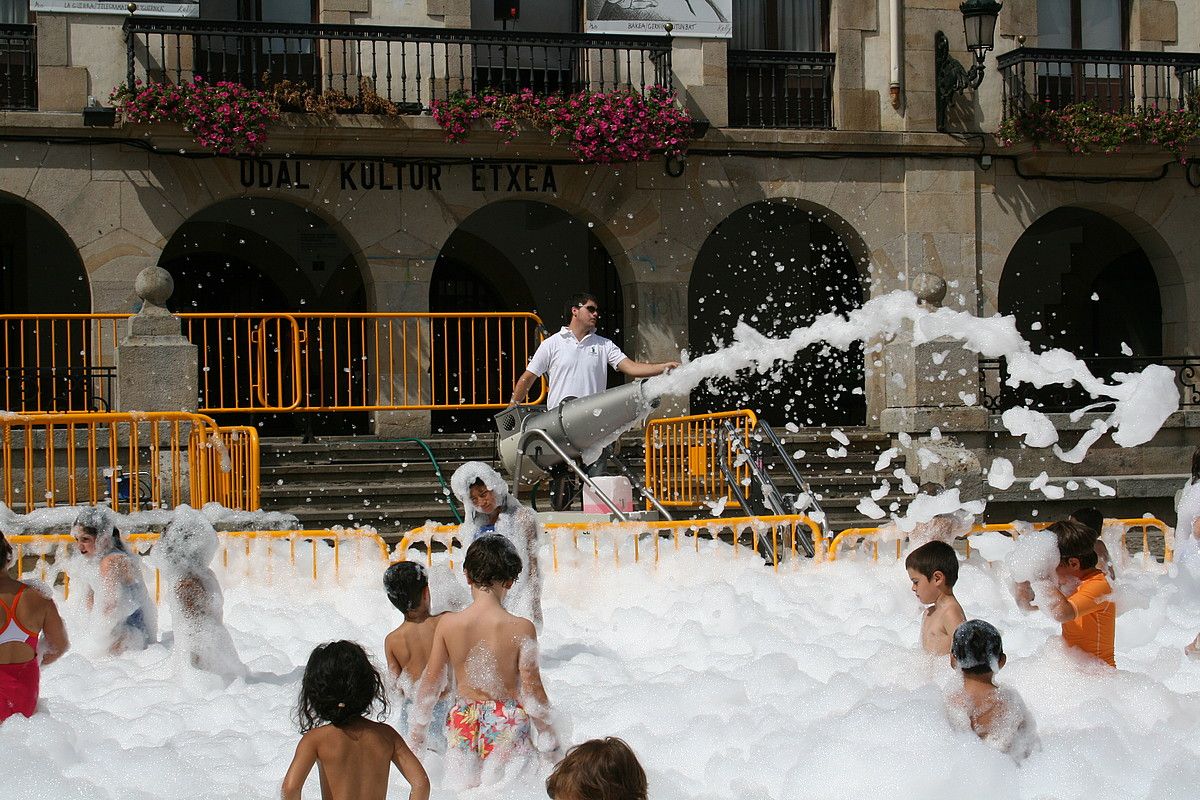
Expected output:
(33, 242)
(795, 249)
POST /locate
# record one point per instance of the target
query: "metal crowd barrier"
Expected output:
(1144, 524)
(683, 458)
(57, 363)
(132, 461)
(234, 544)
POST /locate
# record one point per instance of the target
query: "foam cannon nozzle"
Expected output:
(581, 427)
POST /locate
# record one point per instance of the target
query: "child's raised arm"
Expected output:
(302, 764)
(410, 767)
(429, 688)
(55, 632)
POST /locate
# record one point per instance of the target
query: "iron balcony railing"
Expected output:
(18, 67)
(997, 396)
(775, 89)
(1118, 81)
(407, 66)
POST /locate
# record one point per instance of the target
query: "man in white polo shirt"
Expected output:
(578, 358)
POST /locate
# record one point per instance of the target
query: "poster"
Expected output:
(713, 18)
(122, 8)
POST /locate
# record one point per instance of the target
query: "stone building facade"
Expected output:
(900, 199)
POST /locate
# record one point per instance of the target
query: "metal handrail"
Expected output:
(570, 462)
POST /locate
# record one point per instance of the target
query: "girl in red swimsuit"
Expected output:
(24, 613)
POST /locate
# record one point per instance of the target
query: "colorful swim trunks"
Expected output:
(481, 726)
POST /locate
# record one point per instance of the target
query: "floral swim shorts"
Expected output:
(481, 726)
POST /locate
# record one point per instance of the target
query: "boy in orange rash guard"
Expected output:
(1088, 616)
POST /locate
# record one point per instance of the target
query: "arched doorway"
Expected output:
(1078, 281)
(41, 273)
(521, 255)
(251, 254)
(779, 265)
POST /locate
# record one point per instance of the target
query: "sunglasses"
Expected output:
(593, 309)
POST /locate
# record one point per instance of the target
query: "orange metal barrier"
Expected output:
(782, 530)
(282, 362)
(1145, 524)
(225, 466)
(683, 458)
(129, 461)
(59, 546)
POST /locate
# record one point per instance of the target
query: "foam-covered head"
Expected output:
(474, 472)
(405, 583)
(977, 647)
(598, 768)
(190, 541)
(340, 684)
(490, 560)
(98, 522)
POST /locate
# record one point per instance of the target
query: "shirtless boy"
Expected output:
(407, 648)
(493, 656)
(933, 568)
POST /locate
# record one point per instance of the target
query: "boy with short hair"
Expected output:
(1094, 520)
(407, 647)
(494, 660)
(933, 568)
(996, 714)
(1087, 614)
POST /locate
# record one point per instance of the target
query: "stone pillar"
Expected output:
(156, 365)
(935, 385)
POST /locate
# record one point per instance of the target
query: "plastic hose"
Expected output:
(437, 469)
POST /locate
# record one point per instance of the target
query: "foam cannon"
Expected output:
(536, 443)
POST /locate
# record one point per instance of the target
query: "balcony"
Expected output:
(406, 66)
(18, 67)
(779, 89)
(997, 396)
(1117, 81)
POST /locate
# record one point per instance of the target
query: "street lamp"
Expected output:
(979, 26)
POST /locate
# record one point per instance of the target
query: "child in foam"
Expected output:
(340, 687)
(1078, 595)
(25, 612)
(933, 569)
(407, 648)
(995, 713)
(598, 769)
(183, 552)
(128, 619)
(493, 657)
(489, 508)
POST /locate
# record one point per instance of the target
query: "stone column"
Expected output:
(156, 365)
(935, 385)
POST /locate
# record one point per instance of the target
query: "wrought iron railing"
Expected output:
(406, 66)
(774, 89)
(996, 395)
(18, 67)
(1118, 81)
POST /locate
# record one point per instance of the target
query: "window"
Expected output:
(254, 60)
(1083, 24)
(14, 12)
(800, 26)
(260, 10)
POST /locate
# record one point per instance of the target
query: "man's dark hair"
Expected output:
(492, 559)
(1076, 540)
(1091, 517)
(405, 583)
(934, 557)
(579, 299)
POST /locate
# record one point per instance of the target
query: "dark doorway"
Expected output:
(46, 366)
(521, 256)
(778, 266)
(261, 255)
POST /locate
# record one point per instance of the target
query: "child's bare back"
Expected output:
(407, 648)
(484, 646)
(355, 759)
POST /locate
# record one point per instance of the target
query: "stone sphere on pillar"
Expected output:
(154, 285)
(930, 289)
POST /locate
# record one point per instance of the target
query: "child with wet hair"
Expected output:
(339, 689)
(183, 553)
(27, 612)
(493, 657)
(1094, 520)
(933, 570)
(996, 714)
(598, 769)
(128, 619)
(407, 647)
(1078, 595)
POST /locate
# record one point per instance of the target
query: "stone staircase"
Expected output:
(393, 486)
